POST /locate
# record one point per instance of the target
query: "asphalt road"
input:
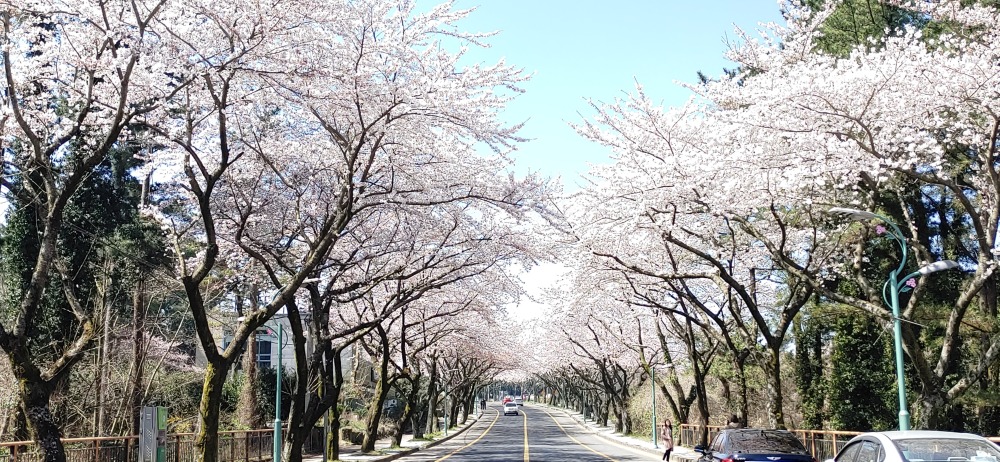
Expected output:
(536, 434)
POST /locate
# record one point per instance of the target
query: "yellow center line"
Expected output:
(525, 414)
(576, 440)
(495, 418)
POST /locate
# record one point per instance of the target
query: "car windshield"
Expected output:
(765, 441)
(948, 450)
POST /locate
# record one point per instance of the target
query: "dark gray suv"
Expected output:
(754, 444)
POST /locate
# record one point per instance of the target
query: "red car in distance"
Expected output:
(507, 399)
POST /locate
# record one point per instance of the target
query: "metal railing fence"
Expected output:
(234, 446)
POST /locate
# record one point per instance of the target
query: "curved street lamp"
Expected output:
(890, 294)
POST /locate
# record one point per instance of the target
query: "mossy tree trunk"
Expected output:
(35, 393)
(207, 439)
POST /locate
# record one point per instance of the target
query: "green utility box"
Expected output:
(153, 434)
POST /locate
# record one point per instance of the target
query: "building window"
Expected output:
(264, 353)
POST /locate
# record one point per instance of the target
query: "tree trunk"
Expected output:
(452, 411)
(333, 435)
(726, 394)
(206, 441)
(418, 421)
(701, 396)
(294, 442)
(933, 411)
(432, 398)
(411, 408)
(744, 389)
(775, 408)
(102, 360)
(602, 413)
(35, 395)
(466, 409)
(248, 405)
(300, 424)
(138, 357)
(374, 414)
(619, 416)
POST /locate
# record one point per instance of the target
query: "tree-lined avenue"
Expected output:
(180, 176)
(536, 434)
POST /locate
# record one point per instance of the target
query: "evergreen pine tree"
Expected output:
(861, 377)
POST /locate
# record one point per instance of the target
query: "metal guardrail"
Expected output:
(234, 446)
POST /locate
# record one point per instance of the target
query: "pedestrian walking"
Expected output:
(734, 422)
(667, 435)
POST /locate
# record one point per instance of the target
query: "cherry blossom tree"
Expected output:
(771, 148)
(312, 116)
(460, 270)
(608, 342)
(77, 76)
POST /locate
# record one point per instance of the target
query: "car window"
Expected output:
(849, 453)
(870, 452)
(716, 445)
(948, 449)
(764, 441)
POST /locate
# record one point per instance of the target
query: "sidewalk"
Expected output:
(384, 450)
(679, 454)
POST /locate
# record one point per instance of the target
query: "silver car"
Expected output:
(509, 409)
(918, 446)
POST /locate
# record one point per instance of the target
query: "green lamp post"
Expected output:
(277, 400)
(894, 286)
(652, 394)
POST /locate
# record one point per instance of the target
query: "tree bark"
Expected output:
(409, 410)
(300, 422)
(102, 355)
(333, 435)
(432, 397)
(247, 408)
(374, 414)
(207, 438)
(35, 395)
(933, 411)
(138, 357)
(775, 407)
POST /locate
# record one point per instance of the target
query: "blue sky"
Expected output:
(580, 49)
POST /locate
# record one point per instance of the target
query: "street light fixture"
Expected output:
(890, 295)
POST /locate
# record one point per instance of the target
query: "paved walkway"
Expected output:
(384, 452)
